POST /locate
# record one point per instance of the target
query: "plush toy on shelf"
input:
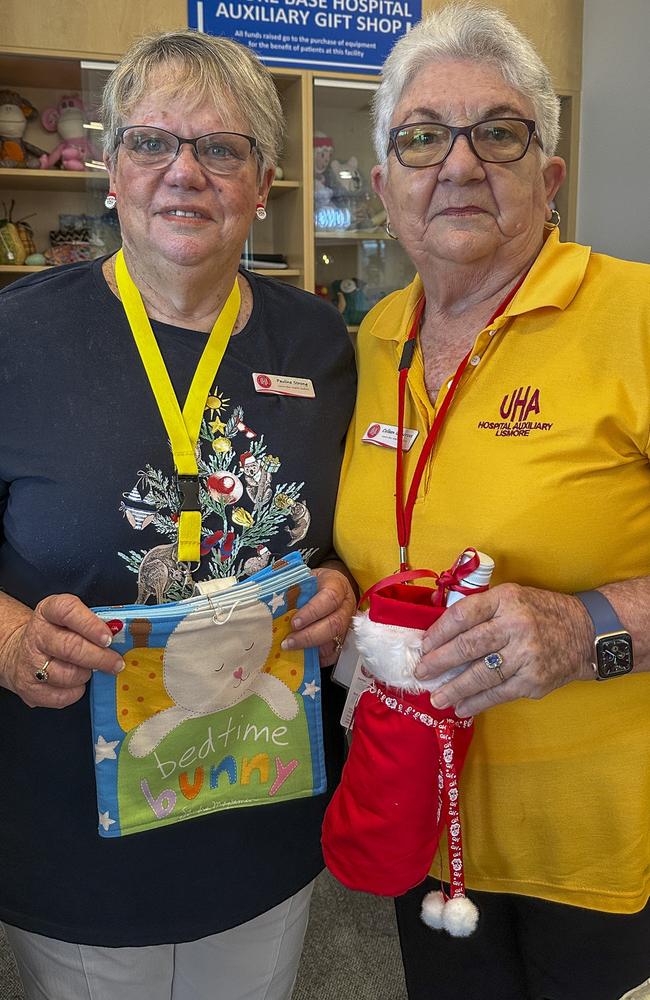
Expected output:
(15, 113)
(350, 299)
(400, 783)
(323, 149)
(68, 119)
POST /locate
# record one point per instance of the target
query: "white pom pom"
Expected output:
(432, 908)
(459, 916)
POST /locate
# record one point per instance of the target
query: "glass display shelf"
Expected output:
(356, 262)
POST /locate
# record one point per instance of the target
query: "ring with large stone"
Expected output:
(494, 661)
(41, 674)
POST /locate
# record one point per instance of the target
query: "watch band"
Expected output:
(600, 611)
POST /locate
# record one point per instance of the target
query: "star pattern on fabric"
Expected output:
(105, 750)
(105, 820)
(277, 600)
(310, 690)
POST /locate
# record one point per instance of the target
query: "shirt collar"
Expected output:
(553, 281)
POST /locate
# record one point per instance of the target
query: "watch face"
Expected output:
(614, 655)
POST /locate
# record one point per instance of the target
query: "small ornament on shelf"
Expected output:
(13, 249)
(351, 193)
(350, 299)
(323, 149)
(69, 246)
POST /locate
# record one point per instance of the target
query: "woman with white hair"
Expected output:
(541, 352)
(215, 907)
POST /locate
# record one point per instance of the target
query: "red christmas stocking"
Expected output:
(399, 788)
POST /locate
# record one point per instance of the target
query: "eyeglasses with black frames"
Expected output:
(496, 140)
(219, 152)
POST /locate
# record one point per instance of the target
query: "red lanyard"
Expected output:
(404, 511)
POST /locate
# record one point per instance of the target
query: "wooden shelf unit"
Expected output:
(41, 57)
(47, 194)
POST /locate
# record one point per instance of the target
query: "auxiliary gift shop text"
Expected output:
(386, 16)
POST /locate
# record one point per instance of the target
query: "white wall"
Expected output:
(613, 213)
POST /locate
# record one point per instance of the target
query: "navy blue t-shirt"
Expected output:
(86, 492)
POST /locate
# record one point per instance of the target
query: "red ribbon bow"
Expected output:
(450, 579)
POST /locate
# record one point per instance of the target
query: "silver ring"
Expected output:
(41, 674)
(494, 661)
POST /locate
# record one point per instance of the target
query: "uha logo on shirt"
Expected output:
(517, 411)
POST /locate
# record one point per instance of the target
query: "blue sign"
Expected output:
(344, 35)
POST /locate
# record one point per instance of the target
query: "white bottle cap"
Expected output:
(480, 577)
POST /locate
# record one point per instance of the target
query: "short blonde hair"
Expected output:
(480, 34)
(198, 67)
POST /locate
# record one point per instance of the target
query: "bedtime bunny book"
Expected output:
(209, 713)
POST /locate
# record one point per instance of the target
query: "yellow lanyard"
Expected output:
(182, 428)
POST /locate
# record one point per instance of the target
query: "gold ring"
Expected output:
(41, 674)
(494, 661)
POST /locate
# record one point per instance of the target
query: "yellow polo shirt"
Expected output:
(542, 463)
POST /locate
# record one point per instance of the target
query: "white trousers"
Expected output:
(256, 961)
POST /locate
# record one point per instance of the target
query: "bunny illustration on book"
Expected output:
(208, 666)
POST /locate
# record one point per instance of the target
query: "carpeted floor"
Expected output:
(351, 950)
(9, 985)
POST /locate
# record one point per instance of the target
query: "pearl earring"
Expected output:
(260, 211)
(110, 200)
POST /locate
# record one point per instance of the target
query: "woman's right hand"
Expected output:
(67, 636)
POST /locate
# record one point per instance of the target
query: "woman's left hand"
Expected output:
(543, 638)
(325, 619)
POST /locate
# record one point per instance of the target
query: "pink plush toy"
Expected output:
(68, 119)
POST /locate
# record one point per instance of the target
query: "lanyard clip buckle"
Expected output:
(188, 491)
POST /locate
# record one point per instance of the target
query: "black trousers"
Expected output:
(523, 949)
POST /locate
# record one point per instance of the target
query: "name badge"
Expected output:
(283, 385)
(385, 436)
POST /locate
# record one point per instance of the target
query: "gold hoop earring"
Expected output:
(388, 229)
(555, 219)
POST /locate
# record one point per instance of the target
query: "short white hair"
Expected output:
(482, 35)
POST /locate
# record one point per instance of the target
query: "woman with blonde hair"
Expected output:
(215, 907)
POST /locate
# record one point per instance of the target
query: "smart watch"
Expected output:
(612, 644)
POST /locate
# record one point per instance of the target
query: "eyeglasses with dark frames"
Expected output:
(495, 140)
(219, 152)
